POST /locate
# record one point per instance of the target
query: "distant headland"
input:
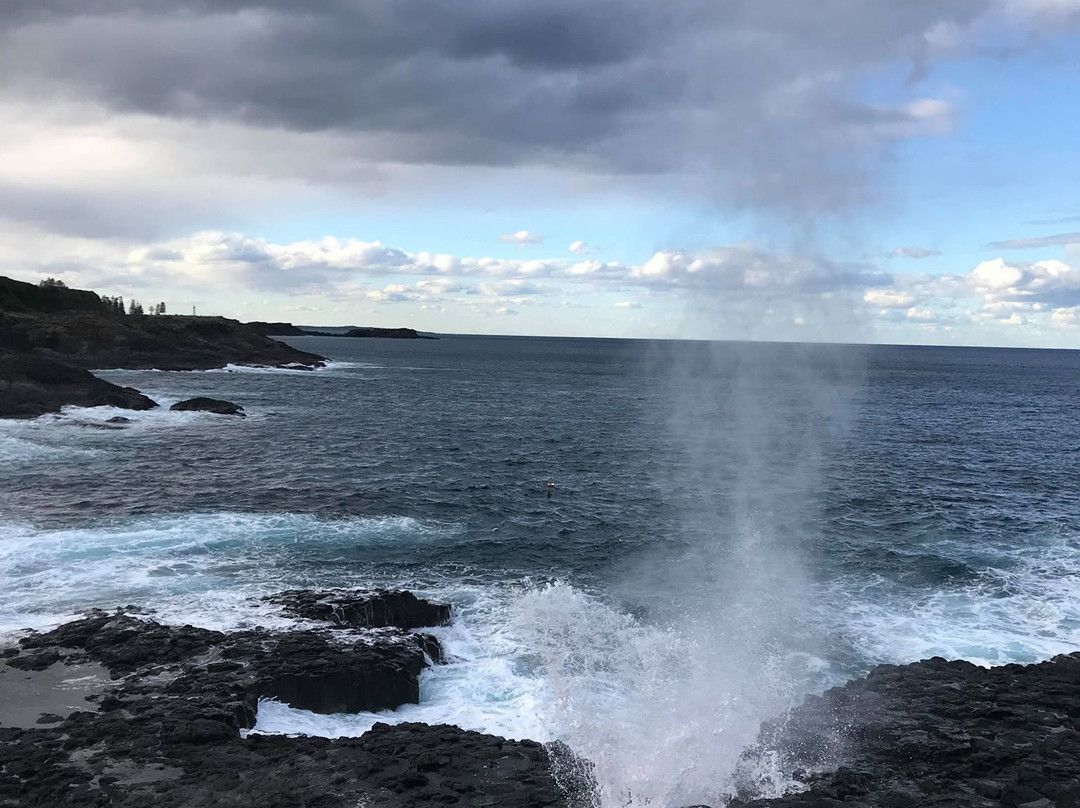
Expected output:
(290, 330)
(51, 336)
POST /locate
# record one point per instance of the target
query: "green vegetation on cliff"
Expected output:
(49, 296)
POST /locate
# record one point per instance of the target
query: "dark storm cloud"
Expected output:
(729, 87)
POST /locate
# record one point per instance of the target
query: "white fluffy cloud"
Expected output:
(522, 238)
(1030, 297)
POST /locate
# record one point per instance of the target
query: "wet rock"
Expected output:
(118, 419)
(381, 608)
(166, 733)
(203, 404)
(32, 385)
(935, 732)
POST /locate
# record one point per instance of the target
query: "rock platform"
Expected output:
(117, 710)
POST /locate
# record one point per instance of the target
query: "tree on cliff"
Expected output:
(52, 283)
(135, 307)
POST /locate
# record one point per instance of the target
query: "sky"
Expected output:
(895, 171)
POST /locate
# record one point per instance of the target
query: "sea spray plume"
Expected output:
(664, 705)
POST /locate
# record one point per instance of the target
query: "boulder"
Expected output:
(357, 608)
(33, 385)
(203, 404)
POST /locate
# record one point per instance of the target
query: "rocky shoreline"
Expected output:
(162, 709)
(935, 733)
(118, 710)
(142, 342)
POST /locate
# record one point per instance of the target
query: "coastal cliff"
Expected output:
(51, 336)
(172, 342)
(32, 385)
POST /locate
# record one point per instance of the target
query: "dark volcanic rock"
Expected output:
(378, 609)
(170, 342)
(32, 385)
(167, 733)
(937, 733)
(309, 670)
(203, 404)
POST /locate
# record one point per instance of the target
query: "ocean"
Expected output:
(650, 547)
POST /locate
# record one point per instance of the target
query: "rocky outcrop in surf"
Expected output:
(166, 729)
(32, 385)
(202, 404)
(378, 609)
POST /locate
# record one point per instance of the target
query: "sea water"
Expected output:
(730, 526)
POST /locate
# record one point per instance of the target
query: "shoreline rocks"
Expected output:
(31, 386)
(935, 733)
(203, 404)
(377, 609)
(165, 730)
(142, 342)
(117, 710)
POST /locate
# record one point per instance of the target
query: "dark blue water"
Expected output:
(739, 522)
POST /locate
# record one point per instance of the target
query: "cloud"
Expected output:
(914, 252)
(522, 238)
(1049, 282)
(743, 281)
(1061, 220)
(1057, 240)
(342, 267)
(748, 105)
(578, 247)
(752, 269)
(887, 298)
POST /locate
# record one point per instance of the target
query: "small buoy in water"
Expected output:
(550, 485)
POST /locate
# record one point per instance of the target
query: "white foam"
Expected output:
(160, 418)
(481, 687)
(328, 367)
(18, 452)
(1023, 607)
(192, 568)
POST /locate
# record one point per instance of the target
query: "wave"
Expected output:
(330, 366)
(484, 686)
(191, 568)
(1011, 605)
(16, 452)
